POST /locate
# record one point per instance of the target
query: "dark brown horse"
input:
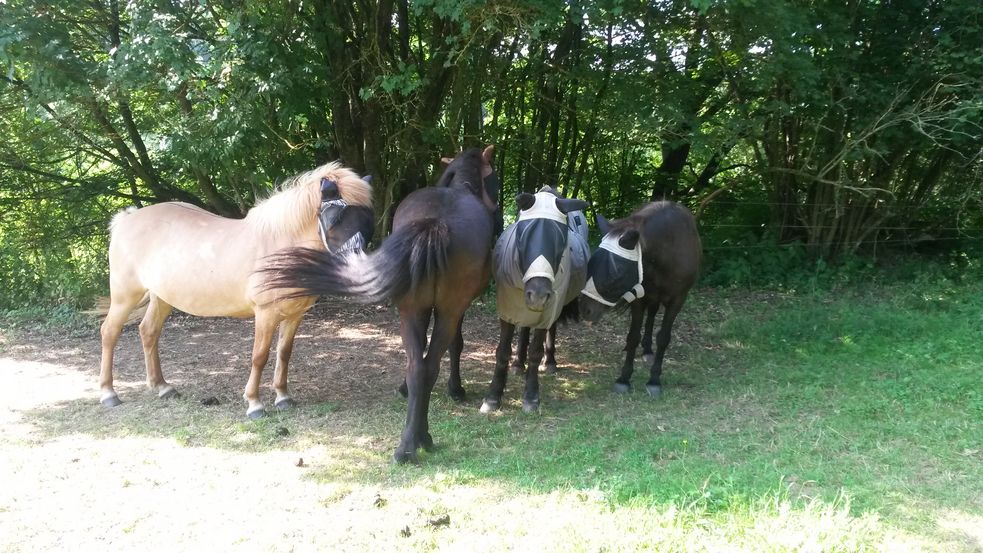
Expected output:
(652, 256)
(435, 262)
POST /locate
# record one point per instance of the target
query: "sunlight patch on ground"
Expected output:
(964, 528)
(137, 491)
(367, 332)
(135, 494)
(32, 384)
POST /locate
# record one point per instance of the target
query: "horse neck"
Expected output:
(285, 219)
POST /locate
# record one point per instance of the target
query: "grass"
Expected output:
(834, 422)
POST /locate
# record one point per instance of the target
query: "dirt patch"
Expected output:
(152, 474)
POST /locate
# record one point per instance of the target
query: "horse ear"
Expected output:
(602, 223)
(488, 154)
(566, 205)
(445, 161)
(524, 201)
(629, 239)
(329, 190)
(367, 179)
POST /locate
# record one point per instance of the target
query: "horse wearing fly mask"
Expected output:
(540, 266)
(578, 224)
(646, 261)
(177, 255)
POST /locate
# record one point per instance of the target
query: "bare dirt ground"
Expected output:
(145, 475)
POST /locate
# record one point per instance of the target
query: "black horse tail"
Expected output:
(407, 258)
(570, 312)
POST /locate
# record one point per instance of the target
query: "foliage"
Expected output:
(850, 124)
(754, 263)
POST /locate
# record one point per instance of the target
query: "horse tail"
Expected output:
(101, 309)
(570, 312)
(118, 218)
(406, 259)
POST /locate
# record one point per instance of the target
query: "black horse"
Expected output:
(540, 267)
(435, 262)
(652, 256)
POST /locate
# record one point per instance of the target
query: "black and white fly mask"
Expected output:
(332, 209)
(540, 262)
(614, 273)
(541, 233)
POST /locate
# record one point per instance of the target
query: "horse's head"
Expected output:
(343, 226)
(614, 272)
(541, 240)
(472, 169)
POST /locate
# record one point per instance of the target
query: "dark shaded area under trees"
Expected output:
(838, 126)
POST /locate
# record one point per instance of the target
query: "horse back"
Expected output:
(192, 259)
(671, 247)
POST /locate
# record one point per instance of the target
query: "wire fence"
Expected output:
(874, 242)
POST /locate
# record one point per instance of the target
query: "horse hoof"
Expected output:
(284, 404)
(403, 390)
(168, 393)
(621, 388)
(490, 405)
(255, 414)
(654, 390)
(427, 442)
(530, 406)
(405, 457)
(648, 357)
(110, 401)
(550, 368)
(457, 394)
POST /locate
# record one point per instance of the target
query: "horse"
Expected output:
(432, 266)
(653, 254)
(577, 223)
(178, 255)
(540, 266)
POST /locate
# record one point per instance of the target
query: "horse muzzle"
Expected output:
(538, 293)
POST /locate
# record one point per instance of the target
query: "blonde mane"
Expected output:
(292, 210)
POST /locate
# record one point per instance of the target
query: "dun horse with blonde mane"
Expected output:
(178, 255)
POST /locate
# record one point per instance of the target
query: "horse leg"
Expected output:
(623, 384)
(650, 313)
(423, 322)
(530, 401)
(446, 327)
(121, 305)
(150, 328)
(519, 363)
(414, 335)
(654, 385)
(551, 350)
(284, 348)
(454, 387)
(265, 325)
(493, 401)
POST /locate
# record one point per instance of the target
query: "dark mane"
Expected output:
(634, 220)
(464, 171)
